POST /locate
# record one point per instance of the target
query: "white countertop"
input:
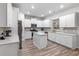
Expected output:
(40, 33)
(66, 33)
(12, 39)
(63, 33)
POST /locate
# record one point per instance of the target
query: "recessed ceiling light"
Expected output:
(42, 15)
(50, 11)
(32, 7)
(61, 6)
(28, 12)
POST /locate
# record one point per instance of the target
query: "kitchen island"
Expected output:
(40, 39)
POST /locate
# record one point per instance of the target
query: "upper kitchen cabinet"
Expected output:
(27, 23)
(5, 15)
(47, 23)
(9, 15)
(62, 21)
(70, 20)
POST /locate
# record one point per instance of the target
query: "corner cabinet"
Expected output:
(70, 20)
(5, 14)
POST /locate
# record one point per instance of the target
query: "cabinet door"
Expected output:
(3, 14)
(9, 15)
(39, 24)
(67, 41)
(28, 35)
(52, 36)
(70, 20)
(46, 23)
(62, 21)
(49, 36)
(59, 38)
(67, 20)
(10, 49)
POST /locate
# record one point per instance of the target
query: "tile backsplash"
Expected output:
(69, 30)
(3, 29)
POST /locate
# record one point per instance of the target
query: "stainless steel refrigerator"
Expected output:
(20, 33)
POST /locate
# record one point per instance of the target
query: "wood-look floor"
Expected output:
(53, 49)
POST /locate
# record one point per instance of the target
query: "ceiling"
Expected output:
(42, 9)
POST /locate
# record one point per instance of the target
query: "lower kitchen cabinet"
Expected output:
(9, 49)
(51, 36)
(28, 35)
(6, 11)
(58, 38)
(64, 39)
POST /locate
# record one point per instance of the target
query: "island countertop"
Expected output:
(40, 33)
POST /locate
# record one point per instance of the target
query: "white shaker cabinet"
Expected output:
(27, 35)
(46, 23)
(5, 15)
(39, 23)
(9, 15)
(62, 21)
(58, 38)
(52, 36)
(67, 41)
(10, 49)
(70, 20)
(64, 39)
